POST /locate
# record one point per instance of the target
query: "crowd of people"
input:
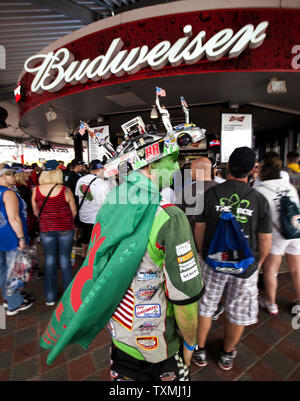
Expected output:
(39, 203)
(61, 206)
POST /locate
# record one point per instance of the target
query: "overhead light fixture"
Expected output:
(276, 86)
(153, 112)
(50, 114)
(100, 118)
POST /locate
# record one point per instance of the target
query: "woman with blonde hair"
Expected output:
(54, 205)
(273, 188)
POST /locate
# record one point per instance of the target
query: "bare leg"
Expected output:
(84, 248)
(232, 335)
(270, 268)
(204, 325)
(293, 262)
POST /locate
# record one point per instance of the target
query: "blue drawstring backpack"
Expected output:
(229, 251)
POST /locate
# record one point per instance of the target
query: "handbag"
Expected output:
(22, 266)
(77, 221)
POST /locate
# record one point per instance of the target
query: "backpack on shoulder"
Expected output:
(289, 218)
(229, 251)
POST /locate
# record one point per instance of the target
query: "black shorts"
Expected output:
(86, 232)
(124, 367)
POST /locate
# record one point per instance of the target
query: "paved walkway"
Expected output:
(268, 351)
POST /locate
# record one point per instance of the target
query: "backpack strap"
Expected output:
(85, 193)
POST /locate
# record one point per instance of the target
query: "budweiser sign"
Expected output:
(55, 69)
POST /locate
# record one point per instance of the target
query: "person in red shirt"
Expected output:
(35, 174)
(56, 221)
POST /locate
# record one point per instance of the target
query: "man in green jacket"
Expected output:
(161, 297)
(141, 276)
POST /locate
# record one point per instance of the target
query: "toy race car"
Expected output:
(187, 134)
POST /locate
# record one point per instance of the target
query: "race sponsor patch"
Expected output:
(189, 274)
(145, 294)
(183, 248)
(187, 265)
(124, 312)
(148, 326)
(147, 343)
(147, 274)
(111, 328)
(148, 311)
(186, 257)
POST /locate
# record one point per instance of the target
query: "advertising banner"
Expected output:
(236, 131)
(97, 136)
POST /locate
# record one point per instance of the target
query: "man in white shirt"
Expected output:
(91, 190)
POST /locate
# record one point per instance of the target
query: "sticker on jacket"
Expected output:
(111, 328)
(147, 274)
(145, 294)
(183, 248)
(147, 343)
(148, 326)
(149, 311)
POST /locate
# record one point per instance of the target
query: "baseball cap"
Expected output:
(76, 162)
(5, 169)
(95, 164)
(50, 165)
(242, 158)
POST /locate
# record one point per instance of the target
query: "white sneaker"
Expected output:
(50, 303)
(271, 308)
(27, 303)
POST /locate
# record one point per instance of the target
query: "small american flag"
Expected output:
(160, 92)
(124, 312)
(82, 128)
(183, 102)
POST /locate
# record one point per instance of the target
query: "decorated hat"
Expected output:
(140, 149)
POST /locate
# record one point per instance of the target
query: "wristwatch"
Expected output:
(21, 238)
(189, 347)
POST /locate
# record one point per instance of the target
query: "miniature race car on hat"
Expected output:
(143, 144)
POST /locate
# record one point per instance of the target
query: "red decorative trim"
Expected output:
(167, 205)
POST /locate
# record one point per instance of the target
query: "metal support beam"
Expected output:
(78, 148)
(68, 8)
(104, 4)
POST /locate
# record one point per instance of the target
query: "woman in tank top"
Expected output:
(13, 235)
(56, 221)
